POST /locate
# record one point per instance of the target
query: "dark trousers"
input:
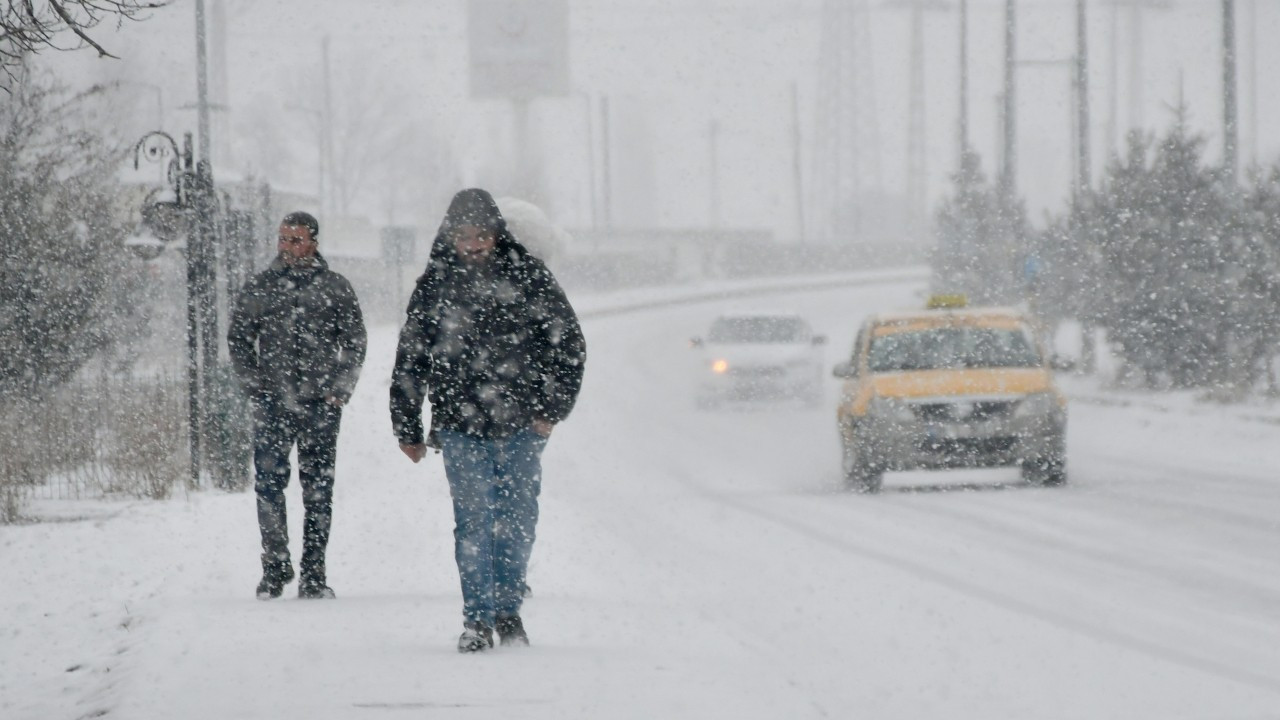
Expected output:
(313, 427)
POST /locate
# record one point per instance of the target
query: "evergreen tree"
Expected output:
(60, 246)
(980, 249)
(1162, 223)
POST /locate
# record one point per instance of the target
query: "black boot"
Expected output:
(511, 631)
(312, 588)
(475, 638)
(274, 578)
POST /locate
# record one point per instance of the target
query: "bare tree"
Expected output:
(29, 26)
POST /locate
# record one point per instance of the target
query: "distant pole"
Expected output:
(916, 159)
(713, 133)
(326, 131)
(797, 162)
(1083, 169)
(219, 144)
(1113, 82)
(1136, 121)
(606, 140)
(964, 79)
(1008, 177)
(1253, 83)
(1230, 131)
(202, 84)
(591, 162)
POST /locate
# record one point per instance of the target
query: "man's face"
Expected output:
(295, 244)
(474, 245)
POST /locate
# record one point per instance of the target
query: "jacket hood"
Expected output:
(477, 207)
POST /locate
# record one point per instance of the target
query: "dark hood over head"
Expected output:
(477, 207)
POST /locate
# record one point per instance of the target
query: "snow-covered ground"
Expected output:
(694, 564)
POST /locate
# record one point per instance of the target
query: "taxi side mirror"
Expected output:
(845, 370)
(695, 342)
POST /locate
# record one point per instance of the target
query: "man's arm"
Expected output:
(408, 379)
(242, 339)
(564, 349)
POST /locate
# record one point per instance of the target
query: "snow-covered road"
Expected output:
(692, 564)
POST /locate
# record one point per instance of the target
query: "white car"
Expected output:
(758, 356)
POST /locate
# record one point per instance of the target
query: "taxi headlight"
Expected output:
(885, 408)
(1036, 405)
(720, 367)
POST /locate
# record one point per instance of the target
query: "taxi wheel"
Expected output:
(859, 474)
(1047, 471)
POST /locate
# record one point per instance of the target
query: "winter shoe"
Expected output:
(511, 632)
(273, 581)
(315, 591)
(475, 638)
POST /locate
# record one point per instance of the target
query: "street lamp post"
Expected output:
(191, 214)
(168, 220)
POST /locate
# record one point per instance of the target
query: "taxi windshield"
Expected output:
(952, 348)
(762, 329)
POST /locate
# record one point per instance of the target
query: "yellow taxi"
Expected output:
(949, 387)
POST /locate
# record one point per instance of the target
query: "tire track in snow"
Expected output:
(960, 584)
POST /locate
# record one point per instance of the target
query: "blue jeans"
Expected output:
(495, 486)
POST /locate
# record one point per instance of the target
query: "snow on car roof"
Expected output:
(1006, 317)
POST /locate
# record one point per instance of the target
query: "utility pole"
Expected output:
(202, 84)
(713, 135)
(964, 80)
(1084, 171)
(1008, 176)
(220, 143)
(797, 165)
(591, 161)
(1230, 131)
(326, 131)
(1253, 83)
(606, 140)
(1113, 81)
(201, 243)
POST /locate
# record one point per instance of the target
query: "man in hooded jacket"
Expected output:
(297, 342)
(492, 339)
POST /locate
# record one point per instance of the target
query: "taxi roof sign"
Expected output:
(947, 302)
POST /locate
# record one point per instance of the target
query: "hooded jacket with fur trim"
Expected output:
(493, 348)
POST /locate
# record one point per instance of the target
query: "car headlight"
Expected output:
(1036, 405)
(885, 408)
(720, 367)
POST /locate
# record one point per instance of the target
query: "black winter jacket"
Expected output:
(297, 332)
(496, 349)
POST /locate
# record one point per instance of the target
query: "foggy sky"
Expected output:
(669, 68)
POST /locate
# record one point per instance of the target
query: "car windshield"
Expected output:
(952, 348)
(753, 330)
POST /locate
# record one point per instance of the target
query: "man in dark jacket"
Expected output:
(297, 342)
(492, 338)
